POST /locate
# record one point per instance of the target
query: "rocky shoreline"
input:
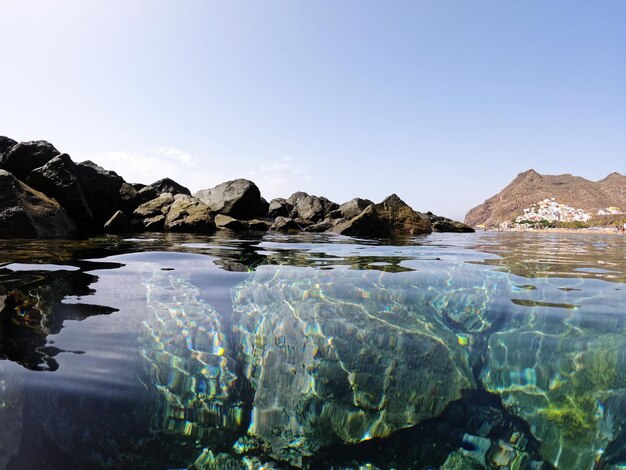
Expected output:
(43, 193)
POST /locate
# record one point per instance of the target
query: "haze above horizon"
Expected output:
(441, 102)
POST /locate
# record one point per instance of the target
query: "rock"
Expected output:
(225, 221)
(6, 144)
(443, 224)
(24, 157)
(239, 198)
(304, 341)
(167, 185)
(102, 190)
(285, 224)
(27, 213)
(309, 207)
(58, 179)
(190, 215)
(367, 223)
(279, 207)
(323, 226)
(119, 223)
(152, 213)
(350, 209)
(400, 219)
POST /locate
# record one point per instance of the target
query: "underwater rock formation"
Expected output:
(334, 365)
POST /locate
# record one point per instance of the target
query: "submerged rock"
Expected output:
(330, 366)
(239, 198)
(26, 213)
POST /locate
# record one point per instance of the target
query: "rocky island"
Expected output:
(43, 193)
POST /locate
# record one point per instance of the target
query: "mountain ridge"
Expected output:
(530, 187)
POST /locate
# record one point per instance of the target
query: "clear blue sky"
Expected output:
(442, 102)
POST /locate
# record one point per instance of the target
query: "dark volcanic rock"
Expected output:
(119, 223)
(58, 179)
(239, 198)
(400, 219)
(443, 224)
(279, 207)
(350, 209)
(367, 223)
(6, 144)
(105, 191)
(26, 213)
(167, 185)
(286, 225)
(24, 157)
(188, 214)
(391, 218)
(310, 207)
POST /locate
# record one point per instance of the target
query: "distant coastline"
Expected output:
(603, 230)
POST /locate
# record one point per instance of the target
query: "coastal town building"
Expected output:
(552, 211)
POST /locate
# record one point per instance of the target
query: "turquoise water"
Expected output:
(487, 350)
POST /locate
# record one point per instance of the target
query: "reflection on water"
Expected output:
(449, 351)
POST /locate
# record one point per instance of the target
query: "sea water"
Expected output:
(452, 351)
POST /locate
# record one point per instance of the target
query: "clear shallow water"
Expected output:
(449, 351)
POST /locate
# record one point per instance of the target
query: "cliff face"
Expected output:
(531, 187)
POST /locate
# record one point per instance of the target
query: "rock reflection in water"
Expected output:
(32, 308)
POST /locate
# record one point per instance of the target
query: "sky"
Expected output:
(441, 102)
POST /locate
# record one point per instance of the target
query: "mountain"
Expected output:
(531, 187)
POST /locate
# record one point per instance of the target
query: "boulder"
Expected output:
(285, 224)
(58, 179)
(400, 219)
(225, 221)
(167, 185)
(350, 209)
(24, 157)
(27, 213)
(6, 144)
(367, 223)
(238, 198)
(152, 213)
(106, 192)
(279, 207)
(323, 226)
(443, 224)
(188, 214)
(310, 207)
(119, 223)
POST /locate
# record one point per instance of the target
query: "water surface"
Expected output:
(484, 350)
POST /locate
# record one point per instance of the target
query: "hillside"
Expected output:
(531, 187)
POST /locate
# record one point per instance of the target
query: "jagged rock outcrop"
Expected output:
(238, 198)
(24, 157)
(27, 213)
(531, 187)
(58, 179)
(95, 197)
